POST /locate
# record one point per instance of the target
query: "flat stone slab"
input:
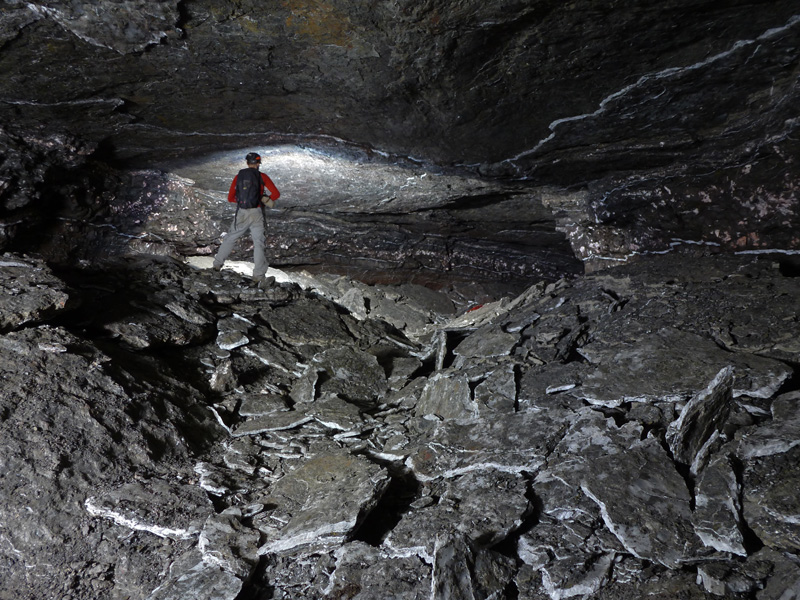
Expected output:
(717, 508)
(645, 503)
(771, 503)
(191, 576)
(484, 507)
(461, 571)
(510, 443)
(671, 365)
(350, 373)
(336, 414)
(228, 340)
(701, 419)
(226, 542)
(305, 322)
(258, 405)
(490, 505)
(324, 499)
(374, 572)
(275, 421)
(487, 342)
(447, 395)
(777, 436)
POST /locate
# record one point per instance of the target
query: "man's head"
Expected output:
(253, 159)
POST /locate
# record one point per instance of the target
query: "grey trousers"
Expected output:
(247, 219)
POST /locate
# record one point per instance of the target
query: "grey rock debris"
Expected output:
(29, 292)
(570, 442)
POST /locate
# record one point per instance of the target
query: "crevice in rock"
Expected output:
(451, 340)
(791, 383)
(682, 469)
(473, 384)
(402, 490)
(618, 303)
(569, 346)
(257, 586)
(789, 266)
(385, 360)
(426, 368)
(655, 430)
(751, 542)
(530, 519)
(686, 473)
(511, 591)
(184, 17)
(620, 415)
(218, 502)
(322, 377)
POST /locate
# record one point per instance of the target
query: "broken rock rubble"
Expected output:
(302, 443)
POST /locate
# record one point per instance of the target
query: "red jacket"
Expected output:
(273, 191)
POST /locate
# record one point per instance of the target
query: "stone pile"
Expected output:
(171, 433)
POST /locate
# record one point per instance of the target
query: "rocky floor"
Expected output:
(169, 432)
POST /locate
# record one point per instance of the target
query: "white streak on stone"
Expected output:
(387, 456)
(52, 347)
(253, 354)
(769, 251)
(333, 532)
(555, 389)
(663, 74)
(420, 552)
(219, 419)
(230, 340)
(9, 263)
(612, 527)
(591, 583)
(164, 532)
(488, 466)
(241, 318)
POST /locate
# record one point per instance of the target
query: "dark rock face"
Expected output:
(170, 433)
(669, 124)
(450, 77)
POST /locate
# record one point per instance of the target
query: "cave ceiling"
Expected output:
(637, 126)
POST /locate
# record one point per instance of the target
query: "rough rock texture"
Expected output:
(31, 293)
(403, 224)
(508, 431)
(639, 126)
(171, 432)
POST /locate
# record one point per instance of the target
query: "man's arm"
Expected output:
(273, 192)
(232, 191)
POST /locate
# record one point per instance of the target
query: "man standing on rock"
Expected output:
(251, 190)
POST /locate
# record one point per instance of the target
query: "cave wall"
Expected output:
(648, 125)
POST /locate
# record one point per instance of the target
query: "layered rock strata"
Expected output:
(658, 125)
(170, 432)
(366, 218)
